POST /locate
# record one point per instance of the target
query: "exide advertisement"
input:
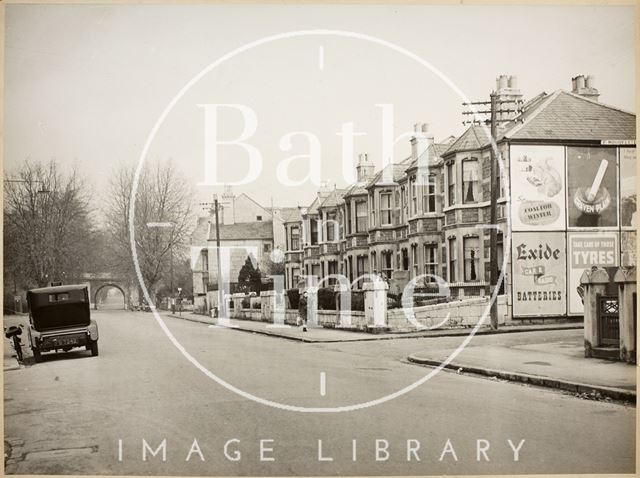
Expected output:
(539, 271)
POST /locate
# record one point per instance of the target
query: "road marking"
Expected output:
(61, 453)
(323, 384)
(321, 58)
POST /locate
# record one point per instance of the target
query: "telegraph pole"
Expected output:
(493, 217)
(222, 312)
(496, 108)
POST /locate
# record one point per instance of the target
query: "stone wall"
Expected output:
(458, 313)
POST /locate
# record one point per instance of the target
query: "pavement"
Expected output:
(77, 414)
(9, 360)
(550, 363)
(316, 334)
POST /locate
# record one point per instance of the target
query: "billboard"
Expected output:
(537, 188)
(628, 214)
(539, 263)
(628, 255)
(587, 249)
(592, 187)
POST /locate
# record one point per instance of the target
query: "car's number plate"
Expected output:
(64, 341)
(68, 341)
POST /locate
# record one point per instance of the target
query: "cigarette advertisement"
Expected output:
(537, 185)
(539, 270)
(628, 214)
(592, 187)
(585, 251)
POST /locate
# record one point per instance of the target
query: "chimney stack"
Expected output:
(585, 86)
(507, 91)
(364, 168)
(421, 140)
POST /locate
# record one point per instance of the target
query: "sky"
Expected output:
(86, 84)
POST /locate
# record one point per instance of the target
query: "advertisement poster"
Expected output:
(592, 187)
(628, 251)
(587, 250)
(537, 185)
(628, 214)
(539, 271)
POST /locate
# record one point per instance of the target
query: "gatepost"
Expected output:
(343, 317)
(312, 306)
(625, 277)
(237, 299)
(595, 283)
(375, 304)
(266, 305)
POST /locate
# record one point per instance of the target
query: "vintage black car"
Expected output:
(60, 319)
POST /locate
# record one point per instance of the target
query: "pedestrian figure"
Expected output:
(302, 311)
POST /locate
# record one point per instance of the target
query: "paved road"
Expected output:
(67, 414)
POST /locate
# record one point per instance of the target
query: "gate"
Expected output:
(608, 320)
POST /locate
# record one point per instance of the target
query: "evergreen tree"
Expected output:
(249, 277)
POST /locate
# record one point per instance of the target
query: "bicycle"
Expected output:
(13, 333)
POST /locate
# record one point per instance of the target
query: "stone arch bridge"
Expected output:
(100, 280)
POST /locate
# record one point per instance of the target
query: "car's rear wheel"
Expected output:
(94, 348)
(37, 356)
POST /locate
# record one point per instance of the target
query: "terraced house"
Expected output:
(566, 188)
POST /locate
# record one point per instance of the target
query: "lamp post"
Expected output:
(180, 299)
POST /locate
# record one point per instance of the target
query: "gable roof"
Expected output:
(313, 208)
(290, 214)
(356, 189)
(567, 116)
(475, 137)
(265, 209)
(200, 232)
(243, 231)
(397, 170)
(333, 199)
(434, 152)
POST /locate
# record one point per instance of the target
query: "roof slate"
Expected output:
(475, 137)
(567, 116)
(290, 214)
(434, 151)
(334, 198)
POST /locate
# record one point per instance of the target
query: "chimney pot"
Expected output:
(580, 81)
(513, 82)
(503, 82)
(591, 81)
(416, 127)
(425, 127)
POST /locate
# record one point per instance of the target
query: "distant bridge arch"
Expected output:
(98, 281)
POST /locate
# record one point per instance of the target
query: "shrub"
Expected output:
(246, 303)
(256, 305)
(326, 299)
(357, 300)
(394, 301)
(294, 298)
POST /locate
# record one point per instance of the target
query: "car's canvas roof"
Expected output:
(58, 288)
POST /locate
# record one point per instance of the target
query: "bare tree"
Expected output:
(48, 231)
(162, 222)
